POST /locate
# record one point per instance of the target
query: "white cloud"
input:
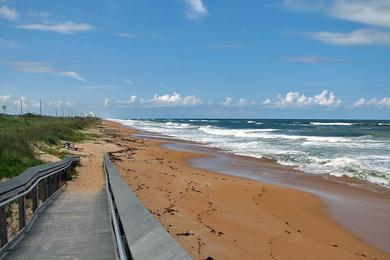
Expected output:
(314, 59)
(126, 35)
(4, 98)
(133, 100)
(366, 36)
(296, 99)
(242, 102)
(303, 5)
(226, 45)
(172, 100)
(371, 12)
(39, 14)
(360, 102)
(375, 13)
(71, 74)
(67, 27)
(227, 102)
(375, 102)
(27, 104)
(60, 104)
(9, 43)
(39, 67)
(8, 13)
(196, 9)
(129, 82)
(106, 102)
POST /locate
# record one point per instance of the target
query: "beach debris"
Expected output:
(185, 234)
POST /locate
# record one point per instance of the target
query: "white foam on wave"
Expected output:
(317, 154)
(335, 123)
(384, 124)
(267, 134)
(236, 132)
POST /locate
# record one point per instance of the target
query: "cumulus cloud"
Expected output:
(40, 67)
(174, 99)
(4, 98)
(297, 99)
(367, 36)
(168, 100)
(8, 13)
(67, 27)
(196, 9)
(133, 100)
(242, 102)
(314, 59)
(375, 102)
(227, 102)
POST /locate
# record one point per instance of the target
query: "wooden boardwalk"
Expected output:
(75, 225)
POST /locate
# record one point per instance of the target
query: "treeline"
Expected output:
(21, 135)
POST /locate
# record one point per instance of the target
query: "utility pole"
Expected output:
(40, 107)
(21, 106)
(56, 112)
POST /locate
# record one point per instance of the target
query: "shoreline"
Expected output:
(320, 206)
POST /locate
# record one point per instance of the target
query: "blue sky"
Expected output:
(197, 58)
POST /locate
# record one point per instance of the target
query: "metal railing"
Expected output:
(138, 234)
(23, 196)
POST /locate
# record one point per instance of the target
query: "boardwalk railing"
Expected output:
(139, 235)
(22, 196)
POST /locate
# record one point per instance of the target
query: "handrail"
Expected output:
(19, 183)
(30, 191)
(142, 235)
(114, 220)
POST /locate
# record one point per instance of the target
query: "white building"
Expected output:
(90, 114)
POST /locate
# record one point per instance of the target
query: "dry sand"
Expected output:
(89, 173)
(214, 216)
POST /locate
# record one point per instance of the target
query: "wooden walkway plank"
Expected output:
(75, 226)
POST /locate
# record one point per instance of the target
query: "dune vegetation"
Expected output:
(21, 136)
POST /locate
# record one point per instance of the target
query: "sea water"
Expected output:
(354, 148)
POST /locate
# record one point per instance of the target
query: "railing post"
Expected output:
(68, 173)
(49, 186)
(34, 199)
(22, 212)
(3, 226)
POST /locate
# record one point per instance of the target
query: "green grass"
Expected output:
(19, 135)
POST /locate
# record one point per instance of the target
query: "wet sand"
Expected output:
(230, 217)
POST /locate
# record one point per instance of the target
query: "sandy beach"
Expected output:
(215, 216)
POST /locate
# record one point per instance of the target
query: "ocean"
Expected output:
(354, 148)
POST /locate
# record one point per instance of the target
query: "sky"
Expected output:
(197, 58)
